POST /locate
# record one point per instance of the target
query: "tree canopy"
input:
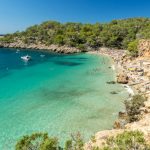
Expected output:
(116, 34)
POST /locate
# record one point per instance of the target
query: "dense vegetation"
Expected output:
(116, 34)
(133, 107)
(41, 141)
(127, 140)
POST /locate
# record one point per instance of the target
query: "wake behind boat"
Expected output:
(26, 58)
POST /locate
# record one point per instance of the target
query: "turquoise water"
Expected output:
(58, 94)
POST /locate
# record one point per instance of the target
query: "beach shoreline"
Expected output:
(138, 83)
(123, 64)
(115, 67)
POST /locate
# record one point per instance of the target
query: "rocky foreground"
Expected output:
(133, 72)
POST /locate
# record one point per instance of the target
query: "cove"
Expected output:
(58, 94)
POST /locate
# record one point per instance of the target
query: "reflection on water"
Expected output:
(61, 93)
(67, 63)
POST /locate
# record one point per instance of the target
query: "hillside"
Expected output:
(53, 35)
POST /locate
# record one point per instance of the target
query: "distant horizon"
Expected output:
(17, 15)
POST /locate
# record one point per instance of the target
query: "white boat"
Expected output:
(26, 58)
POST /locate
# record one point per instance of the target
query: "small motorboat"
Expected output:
(26, 58)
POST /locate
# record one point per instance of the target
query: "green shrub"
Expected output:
(37, 141)
(133, 48)
(128, 140)
(75, 143)
(68, 145)
(41, 141)
(59, 40)
(81, 47)
(50, 144)
(133, 107)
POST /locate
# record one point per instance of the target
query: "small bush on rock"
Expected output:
(38, 141)
(133, 107)
(75, 143)
(41, 141)
(128, 140)
(133, 48)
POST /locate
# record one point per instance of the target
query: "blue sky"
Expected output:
(19, 14)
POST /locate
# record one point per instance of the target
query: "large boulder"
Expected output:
(148, 75)
(122, 78)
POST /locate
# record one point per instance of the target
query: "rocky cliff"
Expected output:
(144, 48)
(135, 72)
(39, 46)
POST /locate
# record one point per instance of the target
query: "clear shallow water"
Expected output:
(58, 94)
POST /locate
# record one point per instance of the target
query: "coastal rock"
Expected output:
(148, 75)
(101, 138)
(122, 78)
(113, 92)
(117, 124)
(111, 82)
(122, 115)
(120, 124)
(144, 110)
(138, 77)
(144, 48)
(56, 48)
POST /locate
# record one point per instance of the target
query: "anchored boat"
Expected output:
(26, 58)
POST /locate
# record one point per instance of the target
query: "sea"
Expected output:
(57, 94)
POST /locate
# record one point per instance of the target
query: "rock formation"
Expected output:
(122, 78)
(144, 48)
(55, 48)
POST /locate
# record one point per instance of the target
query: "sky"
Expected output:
(17, 15)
